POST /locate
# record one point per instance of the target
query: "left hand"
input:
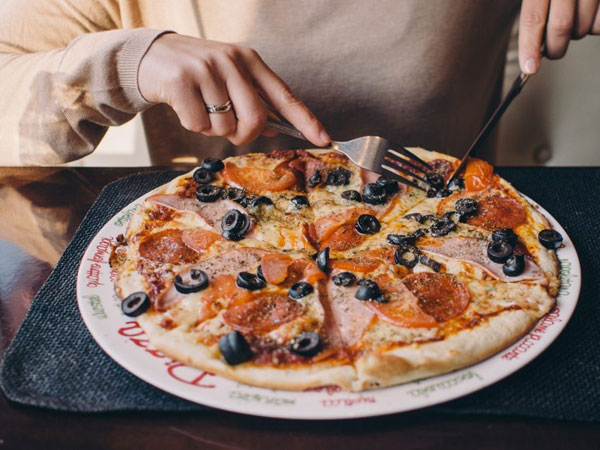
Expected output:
(553, 23)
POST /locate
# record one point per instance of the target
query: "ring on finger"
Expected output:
(219, 109)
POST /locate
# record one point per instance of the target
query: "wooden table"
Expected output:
(40, 209)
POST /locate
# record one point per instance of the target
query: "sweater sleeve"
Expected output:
(68, 73)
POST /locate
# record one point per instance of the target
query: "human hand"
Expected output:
(553, 23)
(189, 73)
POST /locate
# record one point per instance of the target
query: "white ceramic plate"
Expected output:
(126, 343)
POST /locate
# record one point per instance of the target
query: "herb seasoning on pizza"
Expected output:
(297, 269)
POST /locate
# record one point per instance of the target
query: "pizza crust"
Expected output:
(374, 369)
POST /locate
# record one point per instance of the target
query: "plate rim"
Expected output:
(337, 414)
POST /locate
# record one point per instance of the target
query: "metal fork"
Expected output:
(373, 153)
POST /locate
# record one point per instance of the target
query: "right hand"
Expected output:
(188, 73)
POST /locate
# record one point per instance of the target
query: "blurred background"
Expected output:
(554, 122)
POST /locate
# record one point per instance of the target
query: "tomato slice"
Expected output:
(223, 288)
(275, 267)
(257, 180)
(478, 175)
(359, 264)
(441, 296)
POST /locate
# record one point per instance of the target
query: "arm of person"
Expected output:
(550, 25)
(68, 73)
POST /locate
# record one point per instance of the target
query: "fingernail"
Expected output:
(325, 137)
(530, 66)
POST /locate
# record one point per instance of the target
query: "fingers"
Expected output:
(596, 25)
(214, 92)
(280, 96)
(584, 17)
(531, 33)
(559, 28)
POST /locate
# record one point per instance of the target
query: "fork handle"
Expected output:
(284, 128)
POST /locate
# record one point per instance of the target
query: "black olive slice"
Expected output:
(442, 227)
(466, 206)
(213, 164)
(551, 239)
(442, 193)
(235, 221)
(390, 186)
(260, 274)
(367, 224)
(305, 344)
(235, 194)
(381, 299)
(432, 193)
(499, 251)
(351, 195)
(338, 177)
(300, 201)
(323, 259)
(414, 216)
(315, 179)
(367, 290)
(203, 176)
(456, 184)
(234, 348)
(514, 266)
(419, 232)
(192, 281)
(435, 180)
(247, 280)
(255, 201)
(232, 236)
(374, 194)
(135, 304)
(428, 218)
(401, 239)
(299, 290)
(505, 234)
(344, 279)
(407, 256)
(427, 261)
(451, 216)
(208, 193)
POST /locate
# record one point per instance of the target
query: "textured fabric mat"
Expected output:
(53, 361)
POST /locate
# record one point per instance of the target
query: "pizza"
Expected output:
(298, 269)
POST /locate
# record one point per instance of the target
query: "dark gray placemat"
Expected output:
(54, 362)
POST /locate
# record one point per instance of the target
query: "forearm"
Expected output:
(58, 105)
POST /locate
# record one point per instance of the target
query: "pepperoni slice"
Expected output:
(275, 267)
(257, 180)
(440, 296)
(263, 313)
(303, 270)
(223, 287)
(494, 212)
(167, 247)
(442, 166)
(402, 309)
(478, 175)
(344, 237)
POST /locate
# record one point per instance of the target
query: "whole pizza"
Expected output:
(298, 269)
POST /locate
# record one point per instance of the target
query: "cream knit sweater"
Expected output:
(421, 72)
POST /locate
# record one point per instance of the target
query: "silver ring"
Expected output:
(219, 109)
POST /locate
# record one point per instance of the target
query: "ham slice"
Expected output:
(235, 261)
(474, 251)
(348, 317)
(210, 213)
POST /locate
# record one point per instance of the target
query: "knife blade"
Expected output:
(489, 126)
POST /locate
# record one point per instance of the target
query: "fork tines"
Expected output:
(397, 158)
